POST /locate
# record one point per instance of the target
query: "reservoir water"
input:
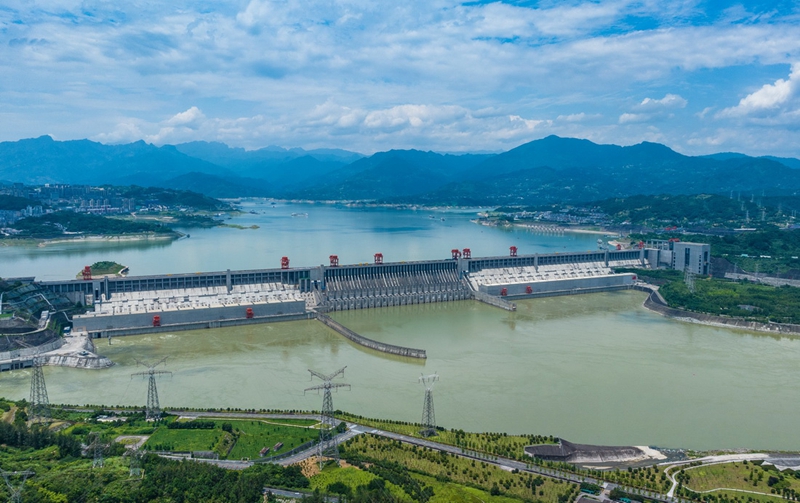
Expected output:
(354, 234)
(594, 369)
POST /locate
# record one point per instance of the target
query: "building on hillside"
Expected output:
(679, 255)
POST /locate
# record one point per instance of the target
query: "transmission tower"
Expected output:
(15, 490)
(428, 415)
(327, 447)
(97, 449)
(135, 459)
(39, 409)
(688, 278)
(153, 411)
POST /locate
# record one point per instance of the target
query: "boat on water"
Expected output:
(299, 214)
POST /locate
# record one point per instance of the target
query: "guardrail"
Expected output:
(369, 343)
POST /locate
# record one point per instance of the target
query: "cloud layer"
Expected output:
(422, 74)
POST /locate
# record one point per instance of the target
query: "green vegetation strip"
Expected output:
(746, 300)
(498, 444)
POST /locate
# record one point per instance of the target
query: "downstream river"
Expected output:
(592, 369)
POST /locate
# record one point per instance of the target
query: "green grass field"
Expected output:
(255, 435)
(448, 492)
(352, 478)
(251, 437)
(183, 440)
(737, 496)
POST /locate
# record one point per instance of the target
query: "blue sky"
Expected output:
(700, 77)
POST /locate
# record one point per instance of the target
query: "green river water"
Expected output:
(595, 368)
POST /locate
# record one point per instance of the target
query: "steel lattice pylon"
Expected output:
(153, 410)
(15, 491)
(97, 449)
(135, 458)
(39, 408)
(428, 414)
(328, 446)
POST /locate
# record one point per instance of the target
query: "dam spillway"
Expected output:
(138, 304)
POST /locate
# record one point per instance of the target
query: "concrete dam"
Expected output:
(143, 304)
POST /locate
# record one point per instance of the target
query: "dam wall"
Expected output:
(385, 285)
(201, 300)
(110, 323)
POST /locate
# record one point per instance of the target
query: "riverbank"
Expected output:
(543, 227)
(41, 243)
(656, 303)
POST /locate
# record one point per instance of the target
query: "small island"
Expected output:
(106, 268)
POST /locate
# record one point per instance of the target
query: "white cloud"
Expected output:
(191, 118)
(770, 98)
(362, 75)
(579, 117)
(652, 110)
(668, 101)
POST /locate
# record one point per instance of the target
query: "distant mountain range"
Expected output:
(547, 170)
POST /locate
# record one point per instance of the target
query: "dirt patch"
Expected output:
(309, 466)
(345, 464)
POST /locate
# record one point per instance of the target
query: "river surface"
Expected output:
(595, 368)
(354, 234)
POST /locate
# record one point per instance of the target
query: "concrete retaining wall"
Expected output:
(29, 352)
(574, 291)
(108, 323)
(576, 285)
(369, 343)
(202, 325)
(494, 301)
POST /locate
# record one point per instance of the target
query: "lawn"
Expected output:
(448, 492)
(183, 440)
(748, 477)
(255, 435)
(737, 497)
(352, 478)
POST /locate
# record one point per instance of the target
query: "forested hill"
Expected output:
(547, 170)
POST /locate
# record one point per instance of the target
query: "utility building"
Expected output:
(679, 255)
